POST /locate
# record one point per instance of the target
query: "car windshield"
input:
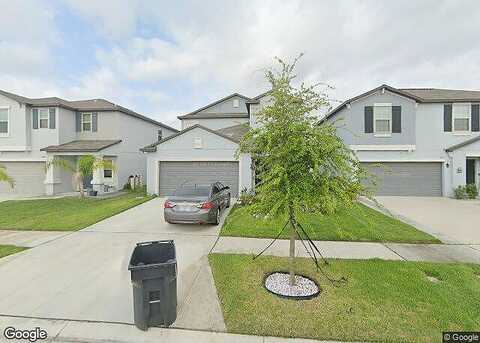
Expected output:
(196, 190)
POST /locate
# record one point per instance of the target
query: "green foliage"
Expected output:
(460, 192)
(471, 190)
(246, 197)
(303, 166)
(4, 177)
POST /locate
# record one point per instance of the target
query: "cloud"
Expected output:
(163, 59)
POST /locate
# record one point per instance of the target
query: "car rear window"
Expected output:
(202, 191)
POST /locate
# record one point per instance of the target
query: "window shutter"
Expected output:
(94, 121)
(396, 119)
(447, 118)
(78, 121)
(368, 119)
(476, 117)
(35, 118)
(51, 118)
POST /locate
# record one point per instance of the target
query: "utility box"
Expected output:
(153, 271)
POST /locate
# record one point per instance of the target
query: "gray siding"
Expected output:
(174, 174)
(352, 127)
(227, 107)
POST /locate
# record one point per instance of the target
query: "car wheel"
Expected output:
(217, 217)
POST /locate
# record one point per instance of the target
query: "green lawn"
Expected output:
(359, 223)
(383, 300)
(64, 214)
(6, 250)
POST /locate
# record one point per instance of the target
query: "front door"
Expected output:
(470, 171)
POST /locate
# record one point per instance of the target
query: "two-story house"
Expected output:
(418, 141)
(205, 150)
(33, 131)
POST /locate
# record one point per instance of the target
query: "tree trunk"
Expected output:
(293, 236)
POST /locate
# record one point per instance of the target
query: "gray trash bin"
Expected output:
(153, 268)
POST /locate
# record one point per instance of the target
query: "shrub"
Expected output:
(246, 197)
(460, 192)
(471, 190)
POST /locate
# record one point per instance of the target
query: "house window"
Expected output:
(159, 135)
(4, 121)
(235, 103)
(43, 118)
(382, 119)
(86, 122)
(108, 172)
(197, 143)
(461, 117)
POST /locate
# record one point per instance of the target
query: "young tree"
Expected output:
(85, 167)
(4, 177)
(302, 165)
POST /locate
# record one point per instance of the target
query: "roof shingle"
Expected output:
(82, 146)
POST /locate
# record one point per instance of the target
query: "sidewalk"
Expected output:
(355, 250)
(83, 331)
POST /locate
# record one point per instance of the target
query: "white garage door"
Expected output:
(174, 174)
(28, 177)
(407, 178)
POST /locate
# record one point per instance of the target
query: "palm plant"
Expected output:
(86, 166)
(4, 177)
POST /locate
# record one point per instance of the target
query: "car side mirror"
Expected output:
(226, 187)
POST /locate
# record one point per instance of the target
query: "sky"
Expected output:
(168, 58)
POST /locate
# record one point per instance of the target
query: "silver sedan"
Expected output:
(197, 204)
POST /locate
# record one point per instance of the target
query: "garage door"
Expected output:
(28, 177)
(407, 178)
(173, 174)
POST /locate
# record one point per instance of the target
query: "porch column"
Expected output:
(97, 179)
(49, 177)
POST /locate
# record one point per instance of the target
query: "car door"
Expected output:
(216, 196)
(223, 194)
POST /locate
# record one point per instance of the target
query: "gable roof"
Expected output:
(420, 95)
(153, 147)
(462, 144)
(82, 146)
(256, 100)
(195, 114)
(83, 105)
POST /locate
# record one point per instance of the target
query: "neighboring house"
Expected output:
(33, 131)
(205, 150)
(419, 141)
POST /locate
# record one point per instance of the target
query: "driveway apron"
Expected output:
(84, 275)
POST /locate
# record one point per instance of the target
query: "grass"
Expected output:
(6, 250)
(386, 301)
(64, 214)
(358, 223)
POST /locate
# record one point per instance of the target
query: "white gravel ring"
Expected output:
(279, 283)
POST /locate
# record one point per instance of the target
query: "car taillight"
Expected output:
(207, 205)
(168, 204)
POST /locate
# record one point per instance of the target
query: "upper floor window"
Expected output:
(461, 117)
(4, 114)
(43, 118)
(87, 122)
(236, 103)
(382, 119)
(159, 135)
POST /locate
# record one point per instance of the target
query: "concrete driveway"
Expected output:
(450, 220)
(83, 275)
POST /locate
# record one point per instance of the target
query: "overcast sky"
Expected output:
(166, 58)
